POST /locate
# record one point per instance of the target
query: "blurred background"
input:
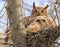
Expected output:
(27, 6)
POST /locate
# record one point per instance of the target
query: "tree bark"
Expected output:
(17, 27)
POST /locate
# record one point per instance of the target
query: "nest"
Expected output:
(44, 38)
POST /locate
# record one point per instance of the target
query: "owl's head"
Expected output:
(39, 11)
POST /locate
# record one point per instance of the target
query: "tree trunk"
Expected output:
(17, 27)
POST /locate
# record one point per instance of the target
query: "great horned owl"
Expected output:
(36, 11)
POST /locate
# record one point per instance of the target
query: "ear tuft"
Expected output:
(34, 5)
(47, 6)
